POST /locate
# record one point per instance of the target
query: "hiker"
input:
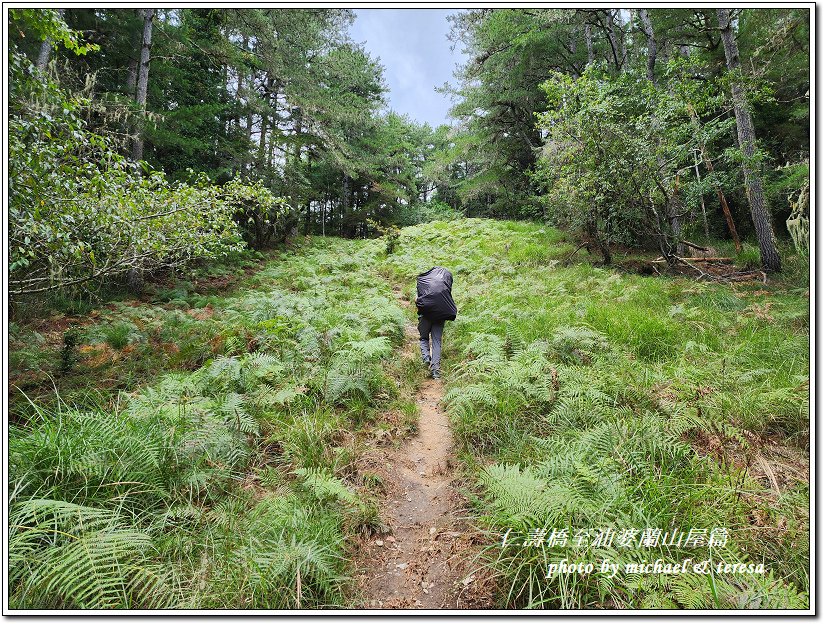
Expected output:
(435, 306)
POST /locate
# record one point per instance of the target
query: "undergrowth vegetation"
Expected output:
(589, 399)
(224, 473)
(232, 485)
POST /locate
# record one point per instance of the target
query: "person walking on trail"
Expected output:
(435, 307)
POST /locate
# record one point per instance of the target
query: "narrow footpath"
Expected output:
(426, 560)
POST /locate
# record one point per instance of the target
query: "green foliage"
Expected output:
(68, 357)
(72, 197)
(497, 97)
(118, 335)
(577, 344)
(264, 218)
(432, 210)
(618, 155)
(390, 234)
(583, 397)
(47, 25)
(69, 556)
(632, 150)
(145, 500)
(748, 258)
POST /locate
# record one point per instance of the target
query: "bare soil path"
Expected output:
(426, 561)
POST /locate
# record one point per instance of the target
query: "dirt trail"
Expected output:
(424, 562)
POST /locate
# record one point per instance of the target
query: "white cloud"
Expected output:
(412, 46)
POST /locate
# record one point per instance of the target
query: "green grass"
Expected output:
(586, 398)
(226, 479)
(201, 450)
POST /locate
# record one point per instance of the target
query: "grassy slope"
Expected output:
(589, 398)
(583, 398)
(235, 484)
(176, 324)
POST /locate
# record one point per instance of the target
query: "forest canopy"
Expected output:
(637, 127)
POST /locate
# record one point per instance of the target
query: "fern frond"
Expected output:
(324, 486)
(234, 410)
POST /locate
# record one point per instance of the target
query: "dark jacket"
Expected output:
(434, 299)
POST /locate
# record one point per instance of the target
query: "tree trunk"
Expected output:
(250, 120)
(43, 57)
(703, 205)
(307, 223)
(273, 125)
(131, 69)
(770, 259)
(264, 121)
(135, 275)
(588, 39)
(652, 46)
(295, 158)
(617, 48)
(261, 155)
(46, 46)
(622, 43)
(595, 237)
(240, 78)
(143, 81)
(131, 78)
(323, 215)
(344, 204)
(673, 205)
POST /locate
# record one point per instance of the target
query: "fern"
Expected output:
(489, 345)
(369, 350)
(233, 409)
(263, 367)
(349, 379)
(519, 499)
(578, 344)
(325, 487)
(72, 556)
(475, 394)
(79, 453)
(286, 557)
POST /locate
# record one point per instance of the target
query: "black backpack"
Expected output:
(435, 295)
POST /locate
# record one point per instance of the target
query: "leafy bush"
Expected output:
(617, 158)
(72, 197)
(93, 196)
(264, 218)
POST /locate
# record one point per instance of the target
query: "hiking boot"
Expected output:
(436, 374)
(427, 363)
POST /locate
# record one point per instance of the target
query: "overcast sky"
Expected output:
(412, 46)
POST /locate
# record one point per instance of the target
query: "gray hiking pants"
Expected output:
(427, 328)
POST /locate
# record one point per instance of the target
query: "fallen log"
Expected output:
(661, 260)
(694, 246)
(733, 276)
